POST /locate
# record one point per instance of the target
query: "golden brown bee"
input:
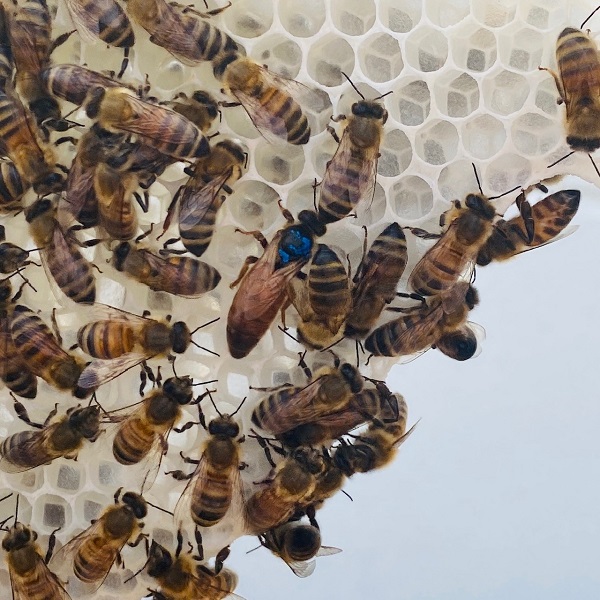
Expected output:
(119, 110)
(351, 173)
(177, 29)
(41, 351)
(60, 255)
(198, 201)
(578, 84)
(550, 217)
(263, 288)
(181, 578)
(323, 299)
(93, 552)
(30, 577)
(294, 479)
(215, 485)
(123, 340)
(266, 97)
(6, 57)
(297, 544)
(57, 437)
(201, 108)
(12, 187)
(376, 280)
(179, 275)
(467, 229)
(288, 407)
(430, 324)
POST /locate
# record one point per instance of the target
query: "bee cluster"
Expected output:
(268, 380)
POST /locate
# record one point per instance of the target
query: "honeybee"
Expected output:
(30, 577)
(177, 29)
(179, 275)
(351, 173)
(426, 325)
(119, 110)
(578, 85)
(297, 544)
(198, 201)
(12, 257)
(266, 97)
(182, 578)
(294, 478)
(376, 280)
(41, 351)
(550, 217)
(329, 390)
(57, 437)
(123, 340)
(263, 288)
(467, 229)
(201, 108)
(93, 552)
(6, 57)
(60, 255)
(323, 299)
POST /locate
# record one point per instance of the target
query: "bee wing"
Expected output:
(103, 312)
(30, 449)
(90, 18)
(30, 38)
(302, 568)
(42, 578)
(328, 551)
(197, 200)
(183, 506)
(10, 360)
(101, 371)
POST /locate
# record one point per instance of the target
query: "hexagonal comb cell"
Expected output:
(328, 58)
(474, 48)
(400, 17)
(248, 18)
(483, 137)
(546, 96)
(426, 49)
(495, 14)
(437, 142)
(456, 180)
(521, 48)
(353, 17)
(411, 197)
(534, 134)
(505, 92)
(280, 54)
(446, 14)
(380, 57)
(546, 15)
(52, 511)
(506, 172)
(456, 94)
(302, 18)
(253, 204)
(68, 478)
(396, 154)
(278, 165)
(410, 103)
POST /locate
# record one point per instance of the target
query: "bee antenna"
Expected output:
(477, 178)
(16, 510)
(355, 88)
(205, 325)
(95, 399)
(332, 345)
(238, 408)
(560, 159)
(591, 15)
(347, 494)
(205, 382)
(284, 329)
(383, 95)
(254, 549)
(138, 571)
(205, 349)
(518, 187)
(159, 508)
(213, 402)
(593, 163)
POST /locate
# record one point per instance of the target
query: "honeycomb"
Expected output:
(465, 89)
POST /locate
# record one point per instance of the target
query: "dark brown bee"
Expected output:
(426, 325)
(57, 437)
(550, 217)
(12, 257)
(198, 201)
(322, 299)
(263, 288)
(6, 56)
(297, 544)
(201, 108)
(41, 351)
(119, 110)
(467, 229)
(123, 340)
(12, 187)
(293, 480)
(330, 389)
(60, 254)
(179, 275)
(93, 552)
(266, 97)
(30, 577)
(376, 280)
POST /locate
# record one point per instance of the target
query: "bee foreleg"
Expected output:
(250, 260)
(185, 426)
(138, 539)
(187, 460)
(51, 544)
(333, 133)
(179, 543)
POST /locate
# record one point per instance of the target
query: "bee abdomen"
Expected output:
(212, 41)
(328, 282)
(132, 443)
(103, 339)
(337, 198)
(213, 502)
(75, 278)
(20, 381)
(114, 27)
(575, 52)
(12, 186)
(284, 108)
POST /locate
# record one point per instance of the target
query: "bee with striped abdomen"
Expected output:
(200, 108)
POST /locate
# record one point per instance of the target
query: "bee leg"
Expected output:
(333, 134)
(249, 261)
(137, 541)
(179, 543)
(304, 366)
(424, 235)
(179, 475)
(117, 494)
(412, 296)
(228, 104)
(185, 426)
(170, 213)
(257, 235)
(55, 328)
(24, 416)
(188, 460)
(199, 546)
(51, 544)
(221, 557)
(124, 63)
(310, 513)
(525, 211)
(119, 560)
(558, 83)
(144, 203)
(287, 215)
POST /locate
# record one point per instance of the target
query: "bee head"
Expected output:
(120, 253)
(310, 460)
(353, 377)
(354, 458)
(18, 537)
(481, 205)
(159, 560)
(311, 221)
(302, 542)
(224, 426)
(179, 389)
(136, 503)
(370, 109)
(460, 345)
(180, 337)
(5, 290)
(85, 420)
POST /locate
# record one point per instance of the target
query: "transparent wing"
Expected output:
(40, 579)
(101, 371)
(303, 568)
(28, 449)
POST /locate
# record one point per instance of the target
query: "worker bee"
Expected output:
(426, 325)
(6, 56)
(41, 351)
(201, 108)
(323, 299)
(578, 84)
(119, 110)
(179, 275)
(12, 187)
(287, 407)
(297, 544)
(93, 552)
(30, 577)
(123, 340)
(181, 578)
(198, 201)
(12, 257)
(215, 486)
(57, 437)
(376, 280)
(550, 217)
(351, 173)
(467, 229)
(294, 479)
(177, 29)
(263, 289)
(266, 97)
(60, 255)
